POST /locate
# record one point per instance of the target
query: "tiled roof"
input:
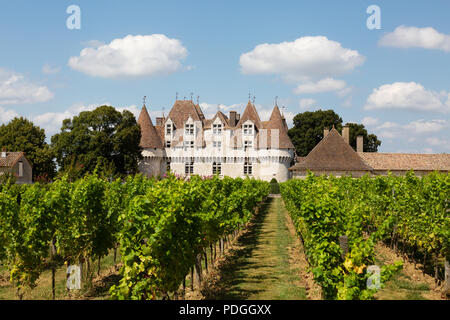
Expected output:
(222, 117)
(149, 136)
(407, 161)
(11, 159)
(154, 136)
(181, 111)
(332, 153)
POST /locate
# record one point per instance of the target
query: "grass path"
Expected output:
(259, 265)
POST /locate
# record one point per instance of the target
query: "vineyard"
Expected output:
(162, 228)
(166, 230)
(409, 213)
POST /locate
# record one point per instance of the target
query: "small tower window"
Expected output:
(189, 168)
(248, 169)
(217, 168)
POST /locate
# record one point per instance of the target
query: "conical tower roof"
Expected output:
(149, 136)
(276, 122)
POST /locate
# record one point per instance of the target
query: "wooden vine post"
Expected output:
(343, 243)
(447, 278)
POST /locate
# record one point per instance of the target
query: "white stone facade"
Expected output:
(214, 147)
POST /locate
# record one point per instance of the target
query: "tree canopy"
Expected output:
(20, 134)
(308, 131)
(103, 137)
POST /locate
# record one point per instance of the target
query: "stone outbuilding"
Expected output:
(17, 164)
(333, 155)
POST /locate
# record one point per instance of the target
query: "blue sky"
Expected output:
(311, 54)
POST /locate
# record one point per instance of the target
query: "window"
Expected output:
(217, 168)
(189, 129)
(189, 168)
(248, 144)
(167, 166)
(169, 129)
(168, 144)
(217, 128)
(248, 168)
(188, 144)
(217, 144)
(248, 129)
(20, 169)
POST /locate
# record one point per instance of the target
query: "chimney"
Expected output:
(159, 121)
(232, 118)
(3, 152)
(359, 144)
(346, 134)
(325, 132)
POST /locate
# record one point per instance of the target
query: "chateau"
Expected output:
(186, 143)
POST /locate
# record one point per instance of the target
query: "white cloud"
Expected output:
(323, 85)
(7, 115)
(48, 69)
(422, 126)
(16, 89)
(413, 37)
(303, 58)
(307, 103)
(93, 43)
(369, 121)
(138, 55)
(407, 96)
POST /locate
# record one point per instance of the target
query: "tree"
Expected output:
(21, 134)
(103, 138)
(308, 131)
(370, 141)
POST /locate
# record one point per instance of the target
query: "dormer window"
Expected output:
(248, 129)
(217, 128)
(189, 128)
(169, 129)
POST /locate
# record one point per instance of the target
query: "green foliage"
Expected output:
(370, 141)
(103, 137)
(308, 129)
(21, 134)
(168, 226)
